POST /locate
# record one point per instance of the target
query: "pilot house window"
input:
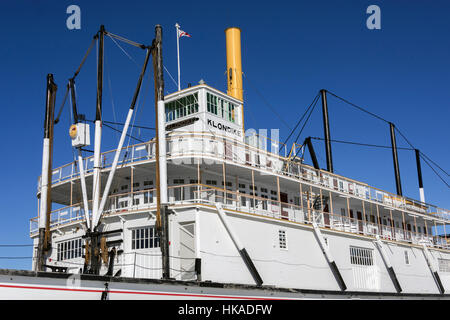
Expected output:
(182, 107)
(220, 107)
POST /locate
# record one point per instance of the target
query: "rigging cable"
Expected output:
(421, 152)
(170, 76)
(15, 245)
(85, 56)
(62, 105)
(306, 121)
(138, 45)
(104, 123)
(361, 144)
(435, 172)
(123, 50)
(266, 102)
(299, 121)
(111, 96)
(382, 119)
(358, 107)
(122, 124)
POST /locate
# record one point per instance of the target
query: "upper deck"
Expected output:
(203, 126)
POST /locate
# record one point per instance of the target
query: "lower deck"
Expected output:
(286, 254)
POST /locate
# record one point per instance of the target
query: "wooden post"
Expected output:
(415, 225)
(238, 197)
(404, 225)
(348, 214)
(331, 206)
(71, 193)
(253, 190)
(198, 181)
(392, 225)
(278, 195)
(435, 227)
(445, 234)
(321, 201)
(380, 230)
(301, 195)
(224, 184)
(132, 187)
(364, 216)
(308, 204)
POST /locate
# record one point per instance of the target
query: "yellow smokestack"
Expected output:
(234, 64)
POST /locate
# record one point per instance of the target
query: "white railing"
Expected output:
(216, 147)
(199, 193)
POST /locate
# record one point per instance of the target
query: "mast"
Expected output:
(98, 128)
(312, 152)
(419, 175)
(80, 156)
(46, 186)
(93, 265)
(121, 141)
(395, 159)
(326, 129)
(162, 225)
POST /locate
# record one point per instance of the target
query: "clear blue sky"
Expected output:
(291, 49)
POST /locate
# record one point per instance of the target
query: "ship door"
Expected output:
(228, 150)
(360, 222)
(284, 207)
(326, 216)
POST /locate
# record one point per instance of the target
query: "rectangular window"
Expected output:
(361, 256)
(282, 239)
(69, 249)
(144, 238)
(220, 107)
(444, 265)
(243, 199)
(148, 183)
(406, 257)
(241, 185)
(211, 182)
(182, 107)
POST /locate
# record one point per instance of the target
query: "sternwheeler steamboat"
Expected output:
(207, 211)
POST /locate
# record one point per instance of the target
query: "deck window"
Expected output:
(69, 249)
(220, 107)
(182, 107)
(444, 265)
(144, 238)
(361, 256)
(282, 240)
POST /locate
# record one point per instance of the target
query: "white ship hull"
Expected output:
(27, 285)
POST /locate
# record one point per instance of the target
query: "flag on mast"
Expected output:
(180, 33)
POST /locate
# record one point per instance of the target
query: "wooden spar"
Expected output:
(162, 221)
(46, 183)
(98, 131)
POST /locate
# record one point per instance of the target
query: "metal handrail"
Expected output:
(317, 177)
